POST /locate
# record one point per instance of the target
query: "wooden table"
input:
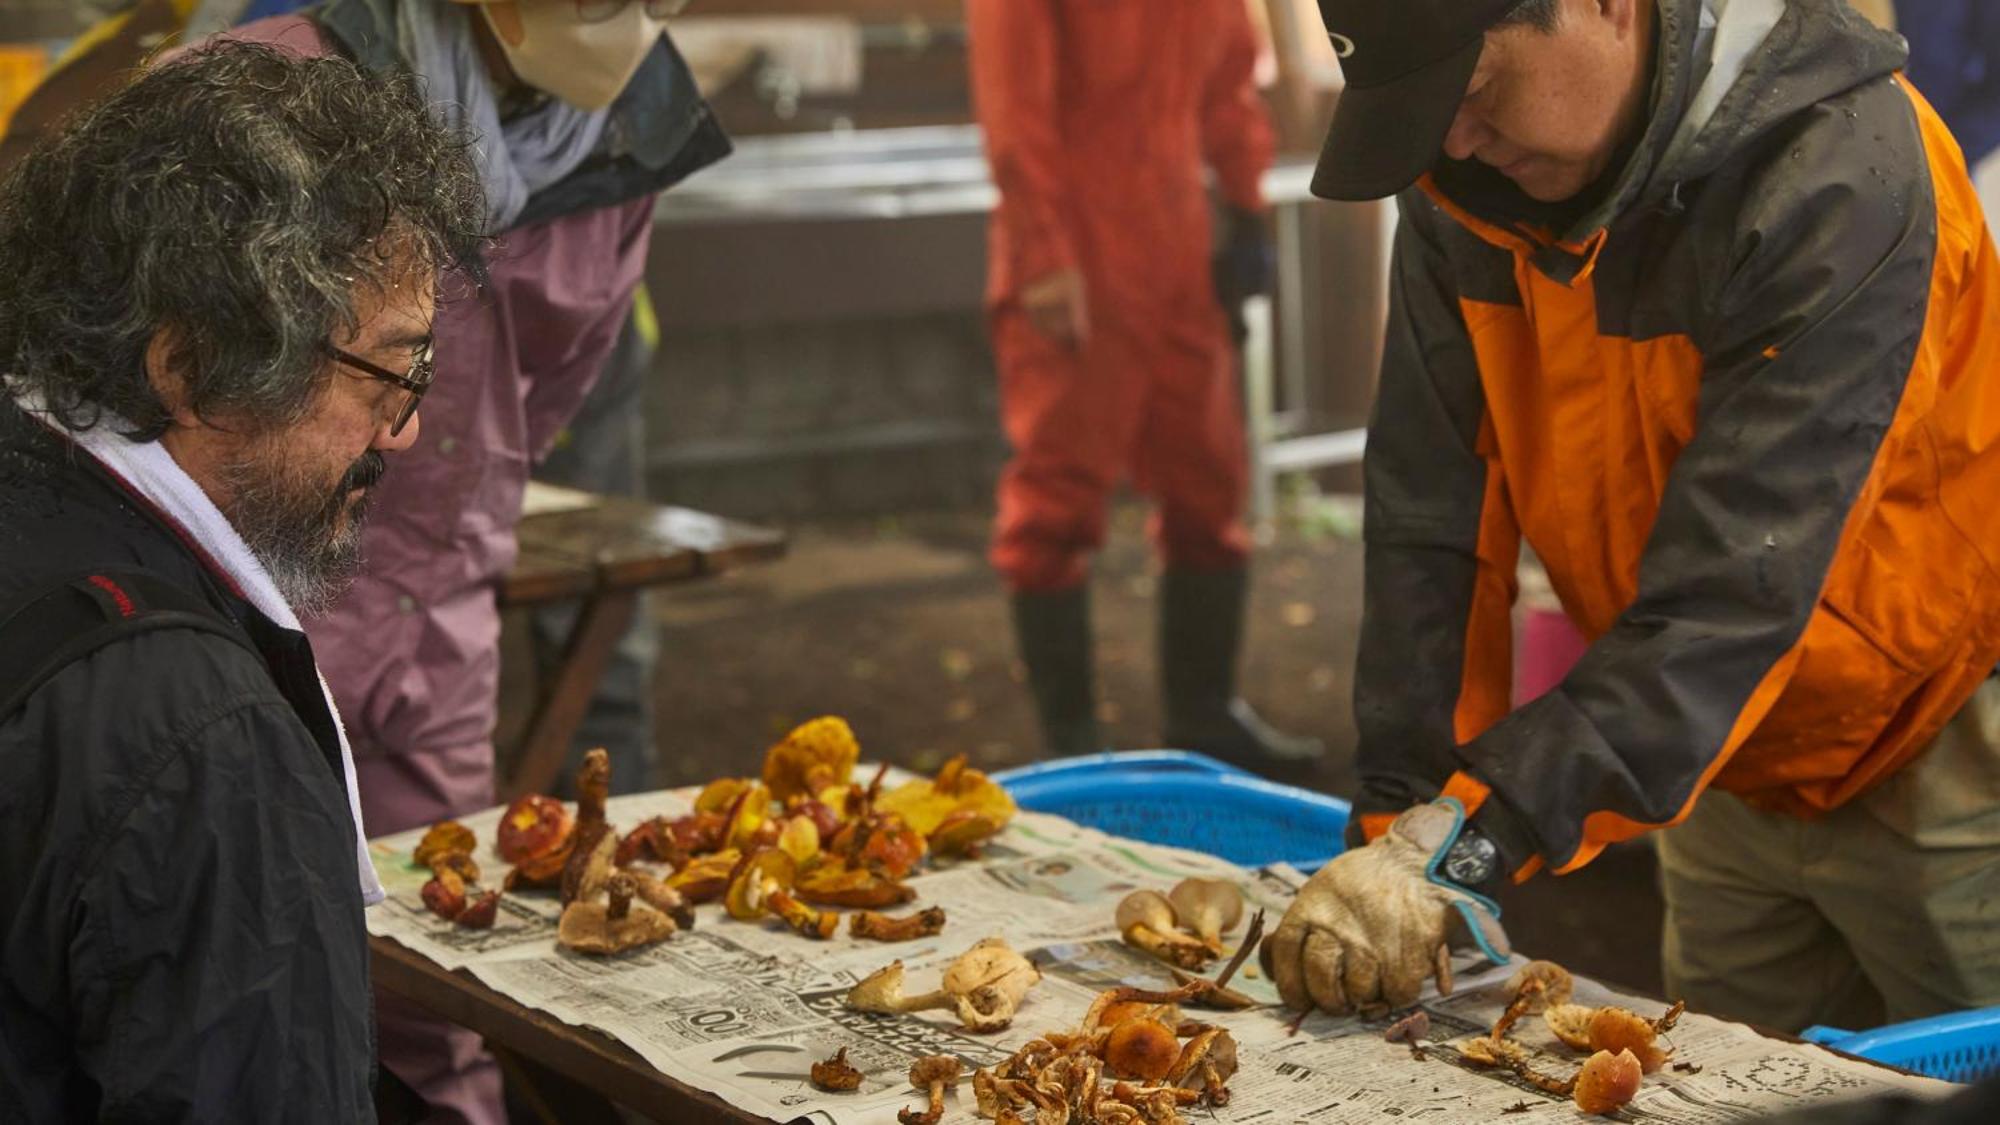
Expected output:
(604, 551)
(573, 1070)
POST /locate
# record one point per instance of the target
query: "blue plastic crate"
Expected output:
(1958, 1047)
(1243, 819)
(1071, 771)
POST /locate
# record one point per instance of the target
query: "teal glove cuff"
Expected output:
(1465, 900)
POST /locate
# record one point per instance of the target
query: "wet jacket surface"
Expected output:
(1743, 411)
(181, 937)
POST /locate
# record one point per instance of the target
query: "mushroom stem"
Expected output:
(881, 927)
(620, 888)
(933, 1074)
(1174, 949)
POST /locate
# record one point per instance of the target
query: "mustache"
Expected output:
(366, 472)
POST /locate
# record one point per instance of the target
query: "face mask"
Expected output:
(555, 51)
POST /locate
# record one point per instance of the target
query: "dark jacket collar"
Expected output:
(62, 515)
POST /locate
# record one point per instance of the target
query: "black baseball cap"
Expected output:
(1407, 64)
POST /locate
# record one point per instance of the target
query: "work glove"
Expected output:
(1243, 265)
(1369, 928)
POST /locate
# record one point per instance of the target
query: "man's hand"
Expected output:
(1368, 929)
(1058, 308)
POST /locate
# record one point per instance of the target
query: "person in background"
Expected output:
(583, 112)
(1698, 301)
(218, 329)
(600, 450)
(1112, 340)
(603, 450)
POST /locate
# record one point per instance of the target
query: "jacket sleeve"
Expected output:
(218, 956)
(1441, 543)
(579, 303)
(1014, 61)
(1821, 277)
(1235, 130)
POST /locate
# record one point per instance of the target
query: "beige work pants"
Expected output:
(1887, 909)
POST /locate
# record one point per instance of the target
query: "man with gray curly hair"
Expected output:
(214, 332)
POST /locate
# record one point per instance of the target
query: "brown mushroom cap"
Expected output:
(1607, 1082)
(1146, 908)
(987, 983)
(944, 1069)
(587, 927)
(1210, 906)
(1142, 1048)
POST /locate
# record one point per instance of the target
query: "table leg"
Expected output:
(566, 699)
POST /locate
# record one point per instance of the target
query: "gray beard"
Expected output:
(297, 533)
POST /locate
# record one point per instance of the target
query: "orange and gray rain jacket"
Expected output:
(1746, 411)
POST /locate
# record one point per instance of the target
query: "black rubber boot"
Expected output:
(1201, 633)
(1053, 632)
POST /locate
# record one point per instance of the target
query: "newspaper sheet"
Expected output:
(743, 1009)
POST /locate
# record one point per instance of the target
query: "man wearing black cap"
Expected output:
(1695, 298)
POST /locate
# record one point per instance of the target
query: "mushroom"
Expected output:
(446, 837)
(988, 982)
(818, 925)
(1209, 1059)
(444, 895)
(984, 986)
(835, 1074)
(1617, 1030)
(663, 898)
(754, 881)
(1146, 920)
(962, 832)
(881, 927)
(587, 871)
(933, 1074)
(1209, 907)
(882, 991)
(1142, 1048)
(719, 796)
(706, 878)
(799, 839)
(480, 913)
(1613, 1029)
(593, 785)
(1410, 1029)
(815, 755)
(747, 816)
(614, 925)
(1570, 1023)
(1484, 1050)
(1549, 982)
(1607, 1082)
(533, 827)
(834, 883)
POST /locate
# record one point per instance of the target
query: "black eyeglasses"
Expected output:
(597, 11)
(417, 381)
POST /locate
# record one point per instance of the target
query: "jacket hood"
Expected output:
(1725, 74)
